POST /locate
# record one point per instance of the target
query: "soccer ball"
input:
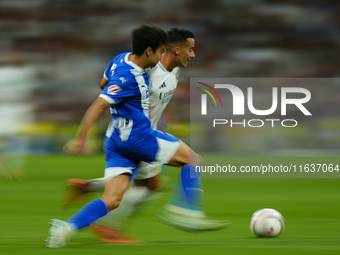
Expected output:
(267, 223)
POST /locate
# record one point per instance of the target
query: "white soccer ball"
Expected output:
(267, 223)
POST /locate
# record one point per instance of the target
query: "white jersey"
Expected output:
(162, 86)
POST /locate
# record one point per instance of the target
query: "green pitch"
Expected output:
(311, 208)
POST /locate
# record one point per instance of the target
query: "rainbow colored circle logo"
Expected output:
(209, 93)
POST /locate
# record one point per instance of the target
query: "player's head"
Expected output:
(149, 41)
(181, 43)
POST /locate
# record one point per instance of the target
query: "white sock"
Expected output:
(118, 217)
(97, 185)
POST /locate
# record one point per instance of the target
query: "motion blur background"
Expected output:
(52, 57)
(53, 54)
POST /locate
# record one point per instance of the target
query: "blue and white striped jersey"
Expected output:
(128, 94)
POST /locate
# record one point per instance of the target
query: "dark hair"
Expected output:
(146, 36)
(178, 36)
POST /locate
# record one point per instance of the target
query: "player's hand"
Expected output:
(74, 146)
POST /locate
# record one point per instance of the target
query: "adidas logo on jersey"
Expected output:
(163, 85)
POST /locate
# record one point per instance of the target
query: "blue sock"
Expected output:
(189, 191)
(88, 214)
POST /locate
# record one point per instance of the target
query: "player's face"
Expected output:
(155, 56)
(186, 53)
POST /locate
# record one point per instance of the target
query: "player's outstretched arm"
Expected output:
(76, 145)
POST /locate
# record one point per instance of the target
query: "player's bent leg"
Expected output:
(133, 197)
(112, 227)
(77, 190)
(189, 192)
(185, 156)
(185, 208)
(60, 231)
(114, 190)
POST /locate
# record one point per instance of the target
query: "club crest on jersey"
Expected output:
(113, 89)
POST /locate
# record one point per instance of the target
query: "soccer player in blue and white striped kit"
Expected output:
(179, 212)
(130, 137)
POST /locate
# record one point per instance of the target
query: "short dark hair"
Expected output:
(178, 36)
(146, 36)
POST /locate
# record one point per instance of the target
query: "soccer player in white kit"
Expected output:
(178, 212)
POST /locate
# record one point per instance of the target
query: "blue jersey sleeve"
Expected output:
(116, 91)
(122, 80)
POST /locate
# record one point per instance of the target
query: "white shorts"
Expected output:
(146, 171)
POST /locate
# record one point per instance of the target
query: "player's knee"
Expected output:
(195, 159)
(113, 203)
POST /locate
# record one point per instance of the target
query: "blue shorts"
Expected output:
(154, 147)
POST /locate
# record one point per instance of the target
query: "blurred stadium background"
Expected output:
(52, 57)
(53, 54)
